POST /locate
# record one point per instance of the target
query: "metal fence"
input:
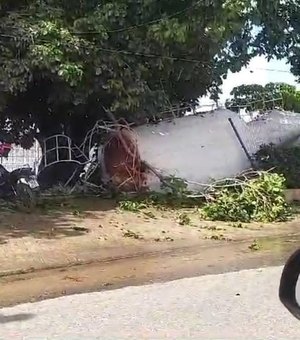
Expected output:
(19, 157)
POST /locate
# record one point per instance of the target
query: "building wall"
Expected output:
(199, 148)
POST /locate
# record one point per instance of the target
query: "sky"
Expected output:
(263, 72)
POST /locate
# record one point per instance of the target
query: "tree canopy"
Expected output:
(257, 97)
(62, 62)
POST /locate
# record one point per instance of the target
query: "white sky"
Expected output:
(263, 72)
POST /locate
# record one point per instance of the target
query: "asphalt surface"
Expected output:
(239, 305)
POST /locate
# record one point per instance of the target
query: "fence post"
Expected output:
(241, 142)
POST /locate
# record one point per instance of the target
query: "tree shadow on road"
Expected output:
(54, 219)
(15, 317)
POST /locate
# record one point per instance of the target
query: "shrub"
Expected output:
(284, 159)
(260, 199)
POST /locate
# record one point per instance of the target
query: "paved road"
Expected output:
(240, 305)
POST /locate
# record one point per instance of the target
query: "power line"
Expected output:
(154, 55)
(180, 59)
(150, 22)
(145, 23)
(174, 58)
(139, 54)
(109, 50)
(269, 69)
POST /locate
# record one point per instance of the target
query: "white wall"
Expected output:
(198, 148)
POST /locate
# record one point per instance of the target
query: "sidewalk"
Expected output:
(29, 254)
(30, 242)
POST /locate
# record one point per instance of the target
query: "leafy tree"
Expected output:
(62, 61)
(258, 97)
(249, 96)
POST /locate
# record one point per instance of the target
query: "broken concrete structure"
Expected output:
(204, 147)
(195, 148)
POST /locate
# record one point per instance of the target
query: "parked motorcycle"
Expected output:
(19, 185)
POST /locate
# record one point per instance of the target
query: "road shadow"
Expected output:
(15, 317)
(54, 218)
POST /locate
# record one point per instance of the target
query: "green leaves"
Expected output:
(258, 97)
(260, 200)
(137, 58)
(283, 160)
(71, 73)
(168, 31)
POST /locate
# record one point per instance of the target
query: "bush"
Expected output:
(284, 159)
(260, 199)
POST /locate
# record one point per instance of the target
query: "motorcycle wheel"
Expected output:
(25, 196)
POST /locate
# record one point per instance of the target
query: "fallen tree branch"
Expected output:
(144, 163)
(158, 175)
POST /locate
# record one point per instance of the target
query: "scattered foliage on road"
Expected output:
(254, 246)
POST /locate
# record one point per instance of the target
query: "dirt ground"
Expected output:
(210, 258)
(60, 239)
(79, 230)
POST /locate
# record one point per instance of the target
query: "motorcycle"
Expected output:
(19, 185)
